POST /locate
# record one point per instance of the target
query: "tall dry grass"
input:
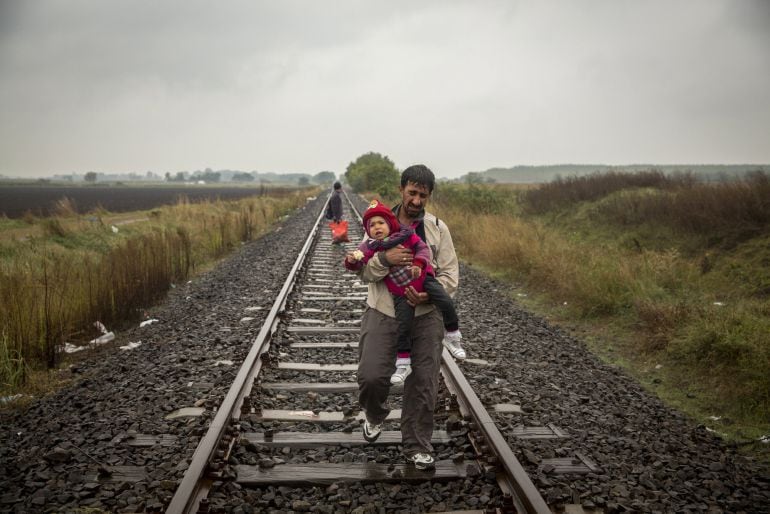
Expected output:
(54, 287)
(733, 211)
(563, 192)
(701, 318)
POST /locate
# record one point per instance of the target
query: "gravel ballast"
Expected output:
(650, 457)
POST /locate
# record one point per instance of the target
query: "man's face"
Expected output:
(414, 198)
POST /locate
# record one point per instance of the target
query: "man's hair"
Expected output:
(418, 174)
(337, 185)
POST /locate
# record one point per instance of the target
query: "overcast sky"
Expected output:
(306, 86)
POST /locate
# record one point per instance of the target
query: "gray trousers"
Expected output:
(377, 362)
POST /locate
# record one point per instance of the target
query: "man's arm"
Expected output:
(379, 265)
(447, 265)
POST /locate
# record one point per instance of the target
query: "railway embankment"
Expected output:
(119, 439)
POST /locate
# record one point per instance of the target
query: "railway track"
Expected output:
(122, 437)
(290, 418)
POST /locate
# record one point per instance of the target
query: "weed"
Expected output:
(678, 266)
(65, 208)
(13, 369)
(54, 287)
(54, 227)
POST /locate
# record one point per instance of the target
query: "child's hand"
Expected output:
(354, 256)
(416, 270)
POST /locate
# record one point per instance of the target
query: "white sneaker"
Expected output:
(399, 377)
(422, 461)
(371, 431)
(452, 343)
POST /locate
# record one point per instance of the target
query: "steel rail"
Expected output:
(185, 498)
(525, 494)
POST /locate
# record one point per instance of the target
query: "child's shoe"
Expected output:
(403, 370)
(452, 343)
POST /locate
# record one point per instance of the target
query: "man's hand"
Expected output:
(398, 256)
(414, 298)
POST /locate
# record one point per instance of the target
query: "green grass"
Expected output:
(686, 305)
(67, 272)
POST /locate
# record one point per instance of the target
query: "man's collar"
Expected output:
(397, 208)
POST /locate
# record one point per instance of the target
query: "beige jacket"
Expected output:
(443, 260)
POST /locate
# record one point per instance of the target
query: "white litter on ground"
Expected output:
(715, 418)
(106, 338)
(720, 434)
(114, 229)
(100, 327)
(147, 322)
(131, 346)
(718, 304)
(7, 399)
(223, 363)
(764, 439)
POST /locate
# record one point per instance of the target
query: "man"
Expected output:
(378, 340)
(335, 203)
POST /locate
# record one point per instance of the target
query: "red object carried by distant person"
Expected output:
(339, 231)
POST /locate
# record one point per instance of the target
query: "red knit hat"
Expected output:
(379, 209)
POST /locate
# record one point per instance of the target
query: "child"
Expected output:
(385, 232)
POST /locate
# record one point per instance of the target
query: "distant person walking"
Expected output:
(379, 327)
(335, 203)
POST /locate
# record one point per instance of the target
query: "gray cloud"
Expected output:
(286, 86)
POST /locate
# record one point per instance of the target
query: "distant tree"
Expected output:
(168, 176)
(474, 177)
(90, 177)
(303, 181)
(207, 175)
(373, 172)
(324, 177)
(243, 177)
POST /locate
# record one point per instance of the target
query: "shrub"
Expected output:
(563, 192)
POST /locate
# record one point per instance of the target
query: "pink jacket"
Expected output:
(398, 277)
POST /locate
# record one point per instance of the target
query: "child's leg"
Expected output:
(404, 316)
(440, 298)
